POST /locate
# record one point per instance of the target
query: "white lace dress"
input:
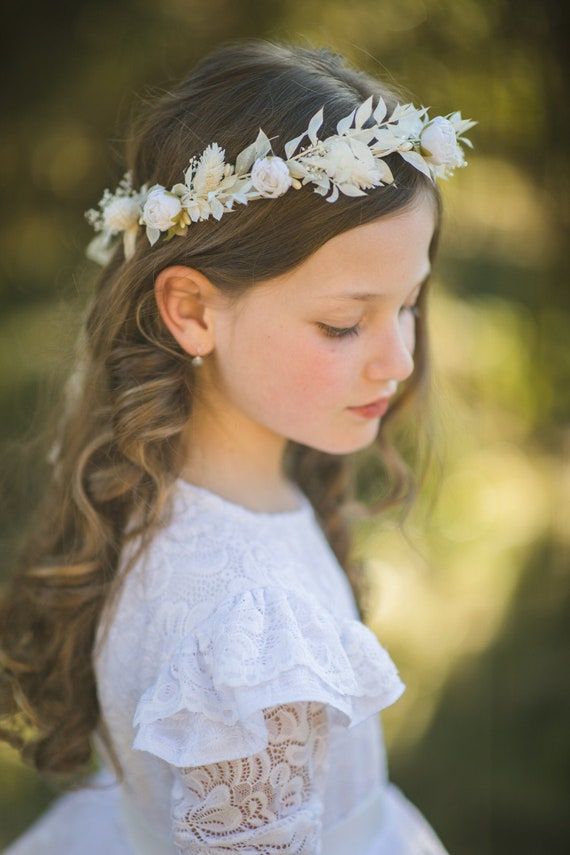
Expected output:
(242, 694)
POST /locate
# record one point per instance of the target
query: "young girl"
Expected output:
(186, 605)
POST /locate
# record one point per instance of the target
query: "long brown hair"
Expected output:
(117, 449)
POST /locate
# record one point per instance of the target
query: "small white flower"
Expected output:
(344, 166)
(160, 208)
(121, 213)
(438, 143)
(339, 161)
(409, 125)
(198, 209)
(270, 176)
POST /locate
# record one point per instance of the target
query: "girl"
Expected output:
(186, 605)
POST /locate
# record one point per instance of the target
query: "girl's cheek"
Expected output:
(326, 367)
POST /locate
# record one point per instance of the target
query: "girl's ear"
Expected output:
(184, 298)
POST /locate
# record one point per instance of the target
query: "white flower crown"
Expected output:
(350, 161)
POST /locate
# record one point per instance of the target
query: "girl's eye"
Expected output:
(339, 332)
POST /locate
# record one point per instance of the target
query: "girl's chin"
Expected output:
(348, 444)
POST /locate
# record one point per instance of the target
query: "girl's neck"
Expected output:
(263, 498)
(237, 458)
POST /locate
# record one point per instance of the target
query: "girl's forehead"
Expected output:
(376, 259)
(401, 237)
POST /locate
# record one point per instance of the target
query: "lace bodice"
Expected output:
(237, 668)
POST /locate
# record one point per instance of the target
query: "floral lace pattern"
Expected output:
(268, 802)
(259, 648)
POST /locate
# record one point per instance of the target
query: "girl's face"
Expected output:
(276, 366)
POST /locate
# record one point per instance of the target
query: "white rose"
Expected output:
(160, 208)
(270, 176)
(121, 213)
(438, 142)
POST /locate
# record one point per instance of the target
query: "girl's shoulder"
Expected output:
(211, 528)
(210, 547)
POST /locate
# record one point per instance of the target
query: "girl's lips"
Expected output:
(373, 410)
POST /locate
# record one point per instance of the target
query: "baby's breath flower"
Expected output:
(121, 213)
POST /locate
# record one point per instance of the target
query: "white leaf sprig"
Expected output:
(348, 162)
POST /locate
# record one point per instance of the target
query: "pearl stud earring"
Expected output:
(197, 360)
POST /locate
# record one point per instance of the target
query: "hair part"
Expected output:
(118, 447)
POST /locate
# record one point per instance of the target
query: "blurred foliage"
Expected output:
(476, 615)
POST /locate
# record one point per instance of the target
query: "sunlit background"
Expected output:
(476, 614)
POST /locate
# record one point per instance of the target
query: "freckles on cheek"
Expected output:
(314, 373)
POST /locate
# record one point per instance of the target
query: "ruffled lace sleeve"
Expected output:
(241, 710)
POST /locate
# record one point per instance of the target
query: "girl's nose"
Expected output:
(393, 353)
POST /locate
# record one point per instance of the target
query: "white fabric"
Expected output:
(241, 692)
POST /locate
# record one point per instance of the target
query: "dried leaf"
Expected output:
(262, 145)
(344, 124)
(363, 112)
(384, 170)
(416, 160)
(245, 159)
(152, 235)
(217, 208)
(296, 169)
(292, 145)
(314, 126)
(351, 190)
(380, 111)
(334, 195)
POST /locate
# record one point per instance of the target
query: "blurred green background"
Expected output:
(477, 618)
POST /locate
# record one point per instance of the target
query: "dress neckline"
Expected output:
(207, 498)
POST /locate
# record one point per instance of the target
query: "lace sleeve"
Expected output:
(268, 802)
(240, 709)
(259, 648)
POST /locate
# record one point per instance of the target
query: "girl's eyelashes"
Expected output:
(341, 332)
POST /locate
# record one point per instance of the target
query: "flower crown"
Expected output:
(349, 162)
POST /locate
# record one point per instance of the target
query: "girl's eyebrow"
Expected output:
(369, 295)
